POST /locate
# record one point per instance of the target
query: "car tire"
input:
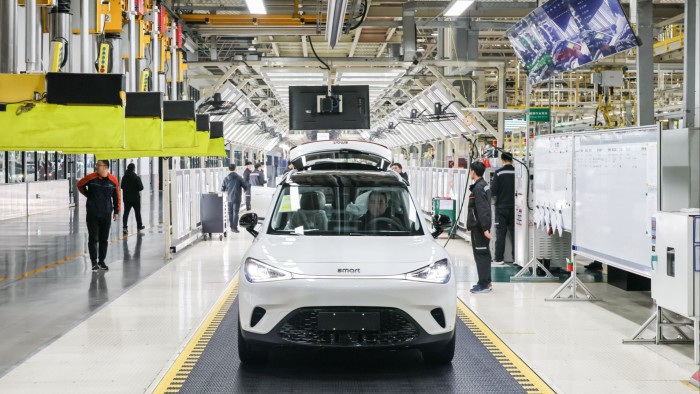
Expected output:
(249, 353)
(441, 355)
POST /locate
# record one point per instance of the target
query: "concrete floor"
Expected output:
(70, 330)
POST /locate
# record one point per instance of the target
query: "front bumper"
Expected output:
(405, 308)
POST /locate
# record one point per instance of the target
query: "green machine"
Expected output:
(446, 206)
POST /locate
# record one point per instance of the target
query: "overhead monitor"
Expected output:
(562, 35)
(312, 108)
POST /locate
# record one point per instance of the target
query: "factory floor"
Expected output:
(153, 325)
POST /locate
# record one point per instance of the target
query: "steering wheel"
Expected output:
(386, 219)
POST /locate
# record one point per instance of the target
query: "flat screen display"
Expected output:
(305, 114)
(562, 35)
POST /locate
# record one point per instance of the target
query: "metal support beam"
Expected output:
(691, 65)
(131, 82)
(358, 33)
(31, 35)
(155, 51)
(86, 58)
(501, 104)
(173, 62)
(8, 40)
(645, 62)
(304, 46)
(409, 34)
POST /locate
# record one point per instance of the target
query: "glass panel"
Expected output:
(61, 167)
(2, 168)
(80, 166)
(50, 166)
(14, 167)
(362, 209)
(30, 169)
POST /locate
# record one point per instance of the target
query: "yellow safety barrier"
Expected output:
(144, 138)
(43, 126)
(179, 134)
(216, 147)
(201, 147)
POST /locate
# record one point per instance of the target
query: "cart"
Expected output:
(214, 215)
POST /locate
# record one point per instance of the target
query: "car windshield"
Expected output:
(337, 209)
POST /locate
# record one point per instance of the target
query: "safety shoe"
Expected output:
(497, 263)
(125, 231)
(95, 267)
(481, 289)
(141, 228)
(103, 266)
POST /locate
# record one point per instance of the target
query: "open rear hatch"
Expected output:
(341, 154)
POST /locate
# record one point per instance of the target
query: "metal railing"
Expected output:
(188, 187)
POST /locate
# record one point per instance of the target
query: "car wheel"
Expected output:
(249, 353)
(440, 355)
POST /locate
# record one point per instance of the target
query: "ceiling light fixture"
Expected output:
(457, 7)
(256, 6)
(335, 19)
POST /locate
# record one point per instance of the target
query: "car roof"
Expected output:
(347, 178)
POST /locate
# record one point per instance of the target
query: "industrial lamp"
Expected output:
(335, 18)
(457, 7)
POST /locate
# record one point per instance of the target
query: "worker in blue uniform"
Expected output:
(233, 185)
(479, 225)
(503, 190)
(103, 202)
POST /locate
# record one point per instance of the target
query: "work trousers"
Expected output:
(482, 256)
(137, 212)
(233, 209)
(247, 201)
(505, 222)
(98, 233)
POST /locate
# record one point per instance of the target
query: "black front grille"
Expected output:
(396, 328)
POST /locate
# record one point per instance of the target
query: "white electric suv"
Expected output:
(344, 259)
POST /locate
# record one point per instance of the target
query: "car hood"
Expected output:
(344, 256)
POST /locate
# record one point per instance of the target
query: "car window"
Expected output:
(345, 210)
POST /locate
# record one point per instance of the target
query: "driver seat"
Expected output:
(311, 213)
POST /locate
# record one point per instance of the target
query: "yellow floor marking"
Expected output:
(533, 382)
(690, 385)
(191, 351)
(67, 259)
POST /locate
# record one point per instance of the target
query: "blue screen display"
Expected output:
(562, 35)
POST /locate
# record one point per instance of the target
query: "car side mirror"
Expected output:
(441, 223)
(249, 221)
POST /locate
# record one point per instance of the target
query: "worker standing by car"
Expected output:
(503, 190)
(233, 183)
(102, 191)
(246, 177)
(478, 224)
(398, 168)
(257, 177)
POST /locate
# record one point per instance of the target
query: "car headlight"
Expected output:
(437, 272)
(256, 271)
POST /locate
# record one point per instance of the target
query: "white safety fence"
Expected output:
(187, 189)
(429, 182)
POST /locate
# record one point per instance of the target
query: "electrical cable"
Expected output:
(314, 51)
(364, 15)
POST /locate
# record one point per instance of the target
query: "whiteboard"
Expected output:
(616, 178)
(553, 180)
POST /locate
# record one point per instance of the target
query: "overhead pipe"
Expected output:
(173, 62)
(132, 83)
(155, 51)
(31, 35)
(86, 57)
(8, 40)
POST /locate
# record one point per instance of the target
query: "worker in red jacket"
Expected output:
(103, 201)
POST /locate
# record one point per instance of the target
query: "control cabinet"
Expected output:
(675, 278)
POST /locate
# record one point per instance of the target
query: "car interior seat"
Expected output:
(311, 213)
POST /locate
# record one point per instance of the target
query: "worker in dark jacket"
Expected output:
(102, 191)
(233, 184)
(503, 190)
(398, 168)
(246, 177)
(479, 224)
(132, 186)
(257, 177)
